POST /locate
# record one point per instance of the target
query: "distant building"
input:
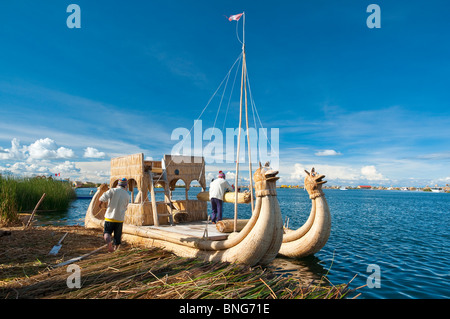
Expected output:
(364, 187)
(77, 184)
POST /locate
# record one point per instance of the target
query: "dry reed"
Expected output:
(136, 273)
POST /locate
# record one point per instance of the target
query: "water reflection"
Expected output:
(305, 270)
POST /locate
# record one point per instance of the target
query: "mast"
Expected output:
(243, 88)
(239, 141)
(248, 139)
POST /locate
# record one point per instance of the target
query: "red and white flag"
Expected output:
(235, 17)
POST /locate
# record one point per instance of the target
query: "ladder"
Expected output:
(155, 177)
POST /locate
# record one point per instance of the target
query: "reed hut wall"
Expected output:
(130, 167)
(186, 168)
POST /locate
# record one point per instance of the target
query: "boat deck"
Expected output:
(194, 229)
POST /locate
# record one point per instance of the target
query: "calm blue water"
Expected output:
(406, 234)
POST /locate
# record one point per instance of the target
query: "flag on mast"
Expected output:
(235, 17)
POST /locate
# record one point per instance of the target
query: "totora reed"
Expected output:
(136, 273)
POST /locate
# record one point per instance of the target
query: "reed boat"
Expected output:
(181, 226)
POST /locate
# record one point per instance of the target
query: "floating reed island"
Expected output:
(136, 273)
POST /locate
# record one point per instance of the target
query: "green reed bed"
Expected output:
(156, 274)
(22, 194)
(8, 201)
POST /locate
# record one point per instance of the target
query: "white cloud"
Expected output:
(298, 173)
(334, 173)
(327, 153)
(338, 172)
(98, 172)
(370, 173)
(4, 154)
(39, 158)
(331, 172)
(14, 153)
(63, 152)
(42, 149)
(231, 178)
(66, 167)
(23, 168)
(47, 149)
(91, 152)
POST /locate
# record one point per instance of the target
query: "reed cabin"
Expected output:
(153, 177)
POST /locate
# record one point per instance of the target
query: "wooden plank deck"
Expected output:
(194, 229)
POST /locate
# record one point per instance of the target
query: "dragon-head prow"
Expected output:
(313, 183)
(265, 180)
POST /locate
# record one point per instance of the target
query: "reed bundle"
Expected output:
(157, 274)
(229, 197)
(24, 253)
(227, 225)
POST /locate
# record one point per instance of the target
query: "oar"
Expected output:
(79, 258)
(58, 246)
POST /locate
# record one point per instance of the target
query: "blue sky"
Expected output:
(363, 106)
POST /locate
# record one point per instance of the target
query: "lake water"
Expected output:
(403, 235)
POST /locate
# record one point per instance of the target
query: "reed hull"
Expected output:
(257, 243)
(307, 240)
(312, 236)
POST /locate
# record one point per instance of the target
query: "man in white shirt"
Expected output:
(217, 189)
(118, 199)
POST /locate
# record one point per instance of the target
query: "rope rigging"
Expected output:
(245, 84)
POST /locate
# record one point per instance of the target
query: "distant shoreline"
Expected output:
(403, 189)
(445, 189)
